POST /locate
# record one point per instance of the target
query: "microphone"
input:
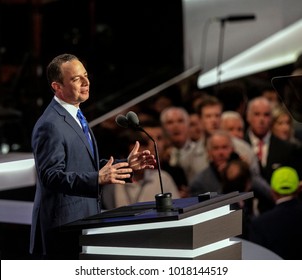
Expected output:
(122, 121)
(134, 122)
(129, 121)
(233, 18)
(163, 200)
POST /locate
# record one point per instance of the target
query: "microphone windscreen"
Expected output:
(132, 118)
(122, 121)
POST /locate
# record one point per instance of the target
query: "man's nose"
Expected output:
(85, 80)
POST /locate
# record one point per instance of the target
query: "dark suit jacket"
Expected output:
(280, 229)
(280, 153)
(208, 180)
(67, 181)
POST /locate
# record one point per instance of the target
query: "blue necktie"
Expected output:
(84, 125)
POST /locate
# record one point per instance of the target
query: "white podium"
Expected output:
(191, 230)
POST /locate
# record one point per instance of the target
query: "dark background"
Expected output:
(129, 47)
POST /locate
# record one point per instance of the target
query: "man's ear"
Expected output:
(56, 86)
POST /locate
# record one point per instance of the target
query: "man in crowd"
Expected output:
(271, 151)
(280, 229)
(184, 152)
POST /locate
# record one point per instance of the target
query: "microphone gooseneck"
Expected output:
(163, 200)
(157, 159)
(223, 20)
(134, 123)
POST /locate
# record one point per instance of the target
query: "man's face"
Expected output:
(195, 127)
(259, 118)
(234, 126)
(220, 150)
(75, 87)
(176, 127)
(210, 118)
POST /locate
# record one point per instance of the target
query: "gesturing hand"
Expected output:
(114, 173)
(140, 160)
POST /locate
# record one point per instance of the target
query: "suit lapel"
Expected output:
(71, 122)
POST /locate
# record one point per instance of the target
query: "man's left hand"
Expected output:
(141, 160)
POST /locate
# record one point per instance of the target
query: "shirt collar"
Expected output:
(254, 139)
(71, 109)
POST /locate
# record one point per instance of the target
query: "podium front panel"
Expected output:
(192, 230)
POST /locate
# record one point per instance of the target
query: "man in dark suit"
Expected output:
(69, 173)
(280, 229)
(272, 152)
(220, 150)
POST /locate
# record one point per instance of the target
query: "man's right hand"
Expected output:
(114, 173)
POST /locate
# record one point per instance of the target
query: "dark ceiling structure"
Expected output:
(128, 46)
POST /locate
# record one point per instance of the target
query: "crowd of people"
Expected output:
(207, 144)
(219, 144)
